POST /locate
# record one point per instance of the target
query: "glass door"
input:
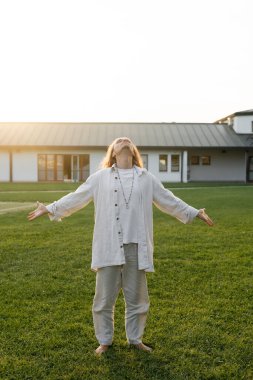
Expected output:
(250, 169)
(84, 167)
(59, 167)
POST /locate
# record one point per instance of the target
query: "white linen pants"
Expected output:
(109, 281)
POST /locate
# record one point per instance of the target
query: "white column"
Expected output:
(184, 166)
(4, 167)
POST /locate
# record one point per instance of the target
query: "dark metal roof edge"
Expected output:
(45, 147)
(105, 123)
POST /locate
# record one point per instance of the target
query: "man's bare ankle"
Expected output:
(101, 349)
(141, 346)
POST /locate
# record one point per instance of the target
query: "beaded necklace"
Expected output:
(126, 201)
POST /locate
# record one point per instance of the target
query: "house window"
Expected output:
(42, 164)
(76, 167)
(163, 163)
(50, 170)
(50, 167)
(252, 126)
(145, 160)
(206, 160)
(84, 167)
(194, 160)
(175, 162)
(59, 167)
(67, 167)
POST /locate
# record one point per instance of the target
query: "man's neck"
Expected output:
(121, 165)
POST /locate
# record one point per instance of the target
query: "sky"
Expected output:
(125, 60)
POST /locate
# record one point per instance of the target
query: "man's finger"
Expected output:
(203, 215)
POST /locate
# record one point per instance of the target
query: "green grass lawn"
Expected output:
(200, 320)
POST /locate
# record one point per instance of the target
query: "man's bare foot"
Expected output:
(101, 349)
(142, 347)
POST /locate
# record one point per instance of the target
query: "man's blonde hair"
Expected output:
(109, 160)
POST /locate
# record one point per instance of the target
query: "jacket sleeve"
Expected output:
(167, 202)
(74, 201)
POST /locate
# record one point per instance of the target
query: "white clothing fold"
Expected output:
(107, 245)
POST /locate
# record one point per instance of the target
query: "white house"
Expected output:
(174, 152)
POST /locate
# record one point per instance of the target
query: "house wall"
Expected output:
(25, 164)
(24, 167)
(4, 167)
(153, 165)
(95, 160)
(229, 166)
(243, 124)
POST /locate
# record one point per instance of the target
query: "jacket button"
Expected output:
(115, 191)
(117, 218)
(116, 204)
(119, 232)
(121, 246)
(116, 177)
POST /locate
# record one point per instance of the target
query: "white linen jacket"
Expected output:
(103, 188)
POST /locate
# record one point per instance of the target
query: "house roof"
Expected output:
(100, 135)
(239, 113)
(244, 113)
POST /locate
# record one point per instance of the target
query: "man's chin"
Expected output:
(126, 147)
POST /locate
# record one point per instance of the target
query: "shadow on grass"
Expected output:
(124, 362)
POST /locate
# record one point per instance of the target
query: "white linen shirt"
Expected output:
(103, 188)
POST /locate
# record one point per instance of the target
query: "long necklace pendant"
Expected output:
(127, 206)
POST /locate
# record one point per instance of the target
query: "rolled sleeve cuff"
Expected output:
(52, 213)
(193, 212)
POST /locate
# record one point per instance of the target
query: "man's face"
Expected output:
(123, 146)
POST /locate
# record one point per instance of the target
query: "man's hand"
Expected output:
(203, 216)
(40, 210)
